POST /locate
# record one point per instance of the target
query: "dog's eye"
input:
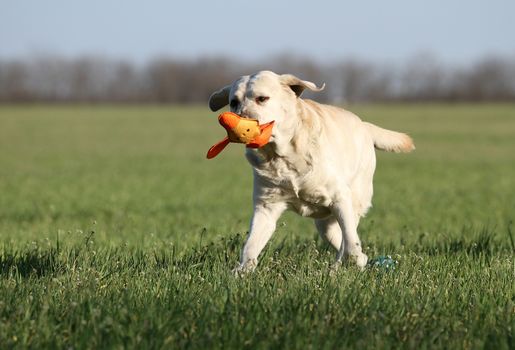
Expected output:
(234, 103)
(262, 99)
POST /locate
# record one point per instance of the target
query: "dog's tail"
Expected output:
(390, 141)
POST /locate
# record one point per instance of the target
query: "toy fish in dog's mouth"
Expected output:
(241, 130)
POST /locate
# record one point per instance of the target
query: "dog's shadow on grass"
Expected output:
(35, 262)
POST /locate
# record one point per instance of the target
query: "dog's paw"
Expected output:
(359, 259)
(245, 268)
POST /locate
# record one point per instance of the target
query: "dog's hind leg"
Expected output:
(330, 231)
(345, 215)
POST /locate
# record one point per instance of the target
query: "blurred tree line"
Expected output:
(423, 77)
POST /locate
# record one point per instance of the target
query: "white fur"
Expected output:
(320, 162)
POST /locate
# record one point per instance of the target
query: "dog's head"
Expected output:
(264, 96)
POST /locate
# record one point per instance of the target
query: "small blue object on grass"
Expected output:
(383, 261)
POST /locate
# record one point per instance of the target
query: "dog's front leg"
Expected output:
(262, 226)
(350, 244)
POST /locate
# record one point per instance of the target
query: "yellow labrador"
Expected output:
(319, 163)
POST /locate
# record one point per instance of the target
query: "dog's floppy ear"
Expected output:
(219, 98)
(298, 86)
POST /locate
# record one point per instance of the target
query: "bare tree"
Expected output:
(422, 78)
(168, 80)
(13, 82)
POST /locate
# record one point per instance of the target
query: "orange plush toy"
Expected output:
(241, 130)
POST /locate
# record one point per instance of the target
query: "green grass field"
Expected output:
(116, 232)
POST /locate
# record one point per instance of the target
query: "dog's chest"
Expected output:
(298, 186)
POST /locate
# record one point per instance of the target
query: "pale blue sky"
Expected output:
(456, 31)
